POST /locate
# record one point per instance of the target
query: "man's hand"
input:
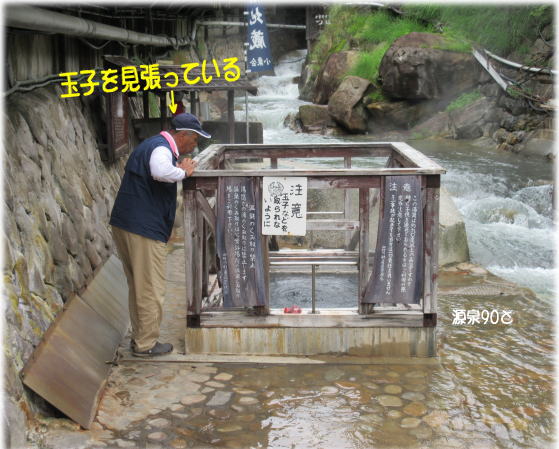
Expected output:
(188, 165)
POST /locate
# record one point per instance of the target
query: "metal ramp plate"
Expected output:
(69, 368)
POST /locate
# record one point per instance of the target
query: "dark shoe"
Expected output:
(158, 349)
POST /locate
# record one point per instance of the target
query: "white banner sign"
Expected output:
(284, 206)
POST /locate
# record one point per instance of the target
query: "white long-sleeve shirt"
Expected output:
(162, 168)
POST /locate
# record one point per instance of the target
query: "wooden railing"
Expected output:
(401, 159)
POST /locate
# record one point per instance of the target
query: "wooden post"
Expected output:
(191, 253)
(431, 249)
(193, 102)
(231, 116)
(198, 258)
(205, 260)
(145, 102)
(363, 246)
(347, 198)
(274, 162)
(163, 110)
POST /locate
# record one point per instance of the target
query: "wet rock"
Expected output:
(124, 443)
(390, 401)
(412, 396)
(223, 377)
(157, 436)
(220, 414)
(333, 374)
(229, 428)
(198, 377)
(213, 384)
(238, 408)
(415, 409)
(393, 389)
(178, 443)
(344, 385)
(371, 386)
(394, 414)
(207, 390)
(329, 390)
(410, 423)
(248, 400)
(220, 398)
(244, 391)
(159, 422)
(424, 433)
(345, 104)
(436, 418)
(193, 399)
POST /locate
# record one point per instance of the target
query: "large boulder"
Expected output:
(453, 241)
(400, 114)
(315, 118)
(331, 76)
(415, 68)
(346, 106)
(469, 122)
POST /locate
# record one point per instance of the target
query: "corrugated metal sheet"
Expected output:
(69, 368)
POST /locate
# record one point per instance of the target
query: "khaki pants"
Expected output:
(144, 265)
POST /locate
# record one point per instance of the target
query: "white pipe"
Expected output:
(38, 19)
(520, 66)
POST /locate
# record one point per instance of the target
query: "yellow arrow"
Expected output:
(173, 105)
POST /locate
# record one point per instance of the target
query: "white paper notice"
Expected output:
(284, 206)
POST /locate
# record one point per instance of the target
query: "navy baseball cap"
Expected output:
(188, 122)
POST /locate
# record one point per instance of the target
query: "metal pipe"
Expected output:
(240, 24)
(38, 19)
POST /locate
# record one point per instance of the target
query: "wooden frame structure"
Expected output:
(200, 225)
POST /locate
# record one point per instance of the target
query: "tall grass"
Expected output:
(502, 29)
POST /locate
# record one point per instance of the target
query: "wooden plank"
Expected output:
(198, 242)
(193, 102)
(347, 203)
(313, 252)
(410, 154)
(231, 116)
(309, 146)
(320, 172)
(205, 260)
(206, 211)
(323, 319)
(145, 104)
(209, 158)
(332, 225)
(431, 249)
(189, 199)
(363, 244)
(273, 161)
(297, 151)
(313, 262)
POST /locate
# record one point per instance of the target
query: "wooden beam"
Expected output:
(206, 211)
(347, 203)
(410, 154)
(189, 225)
(231, 116)
(431, 249)
(363, 245)
(332, 225)
(319, 172)
(300, 152)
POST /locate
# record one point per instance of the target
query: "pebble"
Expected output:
(220, 413)
(248, 401)
(436, 418)
(181, 415)
(246, 418)
(178, 443)
(157, 436)
(346, 385)
(238, 408)
(390, 401)
(329, 390)
(423, 433)
(393, 389)
(244, 391)
(393, 374)
(124, 443)
(229, 428)
(417, 387)
(175, 407)
(372, 386)
(193, 399)
(213, 384)
(412, 396)
(198, 377)
(415, 409)
(134, 435)
(415, 374)
(410, 423)
(223, 377)
(159, 422)
(395, 414)
(220, 398)
(207, 390)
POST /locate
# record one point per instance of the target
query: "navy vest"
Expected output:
(143, 205)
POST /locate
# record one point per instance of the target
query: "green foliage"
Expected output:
(368, 64)
(502, 29)
(376, 96)
(464, 100)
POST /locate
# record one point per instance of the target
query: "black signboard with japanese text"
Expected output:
(259, 53)
(239, 242)
(117, 126)
(398, 266)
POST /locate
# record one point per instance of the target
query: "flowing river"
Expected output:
(492, 385)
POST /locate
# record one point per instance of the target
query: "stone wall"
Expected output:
(58, 198)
